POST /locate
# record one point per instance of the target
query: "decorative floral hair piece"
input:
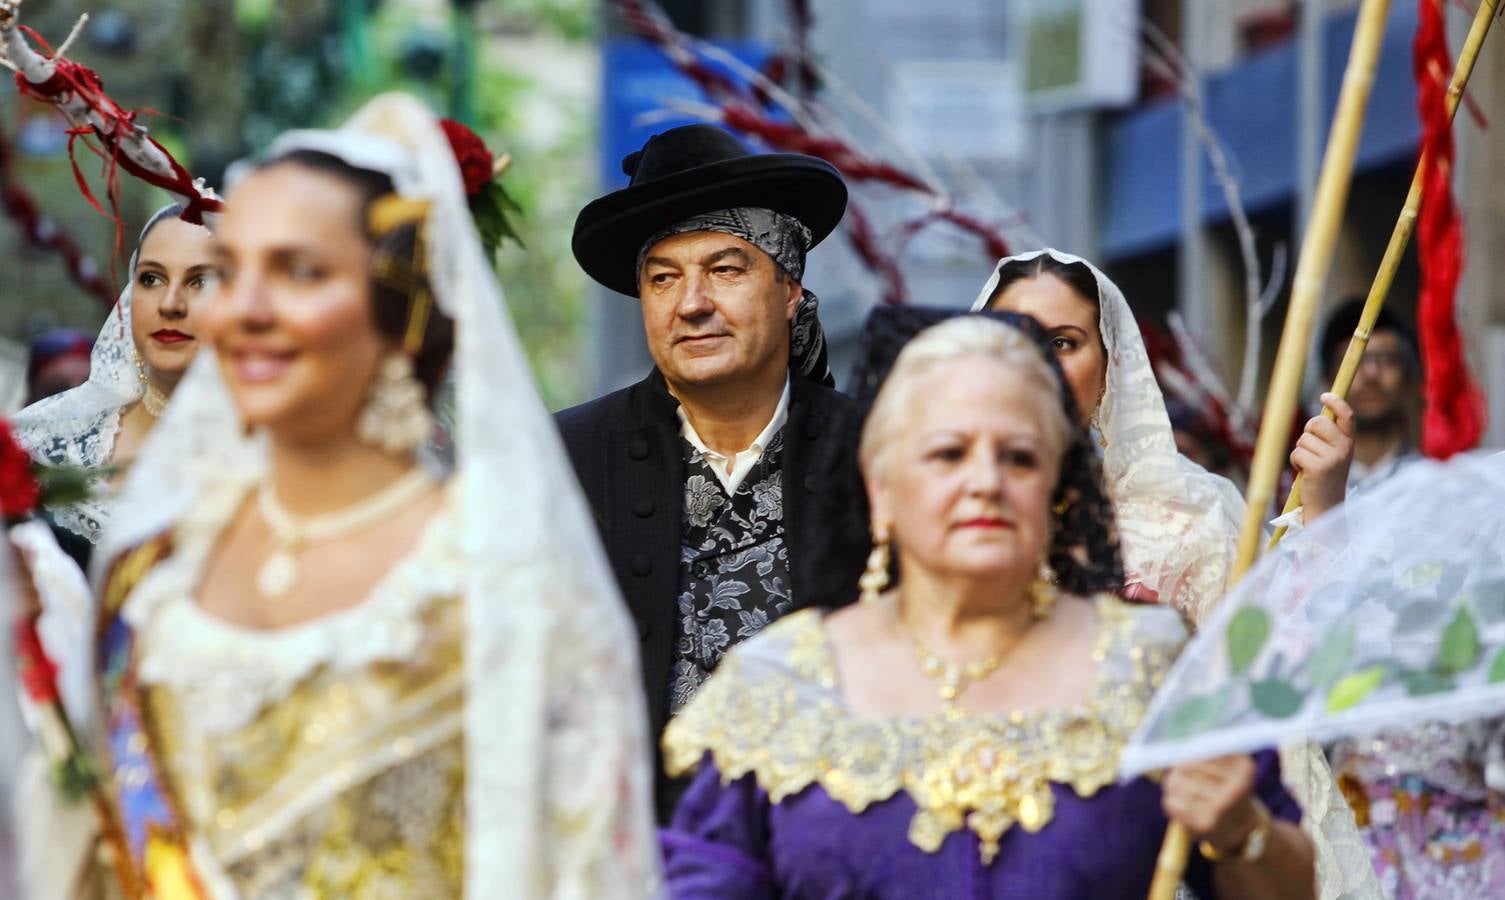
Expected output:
(402, 265)
(482, 172)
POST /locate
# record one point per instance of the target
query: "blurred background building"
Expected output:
(1065, 123)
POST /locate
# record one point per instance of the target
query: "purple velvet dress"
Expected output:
(794, 799)
(728, 842)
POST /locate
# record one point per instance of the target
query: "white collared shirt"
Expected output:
(731, 471)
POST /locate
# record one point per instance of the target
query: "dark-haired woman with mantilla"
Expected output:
(956, 733)
(1178, 524)
(146, 345)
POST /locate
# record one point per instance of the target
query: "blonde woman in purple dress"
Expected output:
(956, 734)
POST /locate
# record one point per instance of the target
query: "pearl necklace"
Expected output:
(153, 400)
(278, 574)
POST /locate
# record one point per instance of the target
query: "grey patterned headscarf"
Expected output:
(785, 239)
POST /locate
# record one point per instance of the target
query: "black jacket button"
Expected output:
(812, 483)
(812, 429)
(640, 565)
(643, 509)
(637, 448)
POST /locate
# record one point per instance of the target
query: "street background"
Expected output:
(1131, 133)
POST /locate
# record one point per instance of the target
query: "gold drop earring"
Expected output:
(874, 580)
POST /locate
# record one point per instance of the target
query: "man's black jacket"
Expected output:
(628, 454)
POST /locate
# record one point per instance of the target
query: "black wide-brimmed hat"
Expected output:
(691, 170)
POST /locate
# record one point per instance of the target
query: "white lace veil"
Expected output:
(1178, 527)
(557, 759)
(78, 427)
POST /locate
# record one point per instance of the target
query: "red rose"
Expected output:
(471, 153)
(19, 491)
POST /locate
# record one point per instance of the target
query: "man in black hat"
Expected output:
(703, 475)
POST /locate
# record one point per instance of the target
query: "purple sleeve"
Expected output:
(717, 844)
(1273, 794)
(1271, 790)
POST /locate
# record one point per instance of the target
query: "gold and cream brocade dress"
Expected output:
(320, 760)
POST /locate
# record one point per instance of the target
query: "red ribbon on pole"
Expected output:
(72, 79)
(1453, 414)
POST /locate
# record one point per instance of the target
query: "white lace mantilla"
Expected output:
(228, 673)
(77, 428)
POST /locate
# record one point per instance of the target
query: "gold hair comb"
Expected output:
(392, 211)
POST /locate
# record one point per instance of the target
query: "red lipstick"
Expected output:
(985, 522)
(170, 336)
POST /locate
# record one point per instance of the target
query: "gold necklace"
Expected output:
(278, 574)
(954, 678)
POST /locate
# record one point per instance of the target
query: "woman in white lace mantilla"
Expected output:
(146, 345)
(328, 669)
(1178, 524)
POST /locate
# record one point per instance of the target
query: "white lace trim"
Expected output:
(66, 623)
(1344, 868)
(78, 427)
(228, 674)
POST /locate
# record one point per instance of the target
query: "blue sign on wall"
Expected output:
(1249, 107)
(638, 79)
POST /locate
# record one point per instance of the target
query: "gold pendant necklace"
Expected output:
(278, 573)
(954, 678)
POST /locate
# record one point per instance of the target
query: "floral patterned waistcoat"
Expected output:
(734, 565)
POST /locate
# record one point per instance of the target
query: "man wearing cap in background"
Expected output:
(703, 475)
(1385, 395)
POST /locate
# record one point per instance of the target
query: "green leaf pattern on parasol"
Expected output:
(1389, 615)
(1247, 634)
(1351, 689)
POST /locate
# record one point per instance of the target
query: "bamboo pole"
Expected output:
(1400, 237)
(1285, 385)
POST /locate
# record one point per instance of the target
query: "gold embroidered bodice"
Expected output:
(774, 709)
(322, 760)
